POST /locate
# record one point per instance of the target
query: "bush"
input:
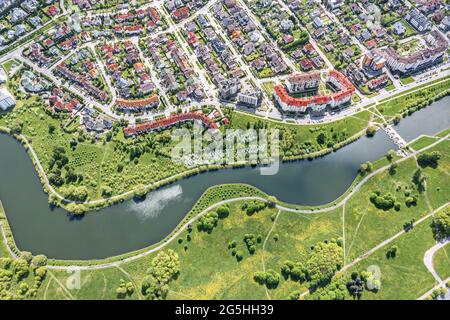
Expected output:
(429, 159)
(392, 252)
(270, 278)
(384, 202)
(371, 130)
(441, 224)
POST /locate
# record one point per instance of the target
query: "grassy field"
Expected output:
(421, 142)
(441, 262)
(365, 225)
(412, 100)
(301, 140)
(407, 80)
(405, 276)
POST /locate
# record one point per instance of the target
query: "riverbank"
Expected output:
(101, 172)
(208, 269)
(213, 198)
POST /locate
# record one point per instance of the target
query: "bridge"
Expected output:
(397, 139)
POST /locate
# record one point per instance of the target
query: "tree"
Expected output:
(390, 155)
(419, 178)
(20, 268)
(270, 278)
(392, 252)
(441, 224)
(271, 201)
(365, 167)
(208, 222)
(75, 193)
(164, 268)
(429, 159)
(384, 202)
(51, 128)
(27, 256)
(355, 286)
(223, 211)
(39, 261)
(323, 262)
(322, 138)
(371, 130)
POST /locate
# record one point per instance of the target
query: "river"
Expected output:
(134, 225)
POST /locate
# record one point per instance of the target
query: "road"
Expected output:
(428, 261)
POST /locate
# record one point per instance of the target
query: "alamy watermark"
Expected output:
(231, 147)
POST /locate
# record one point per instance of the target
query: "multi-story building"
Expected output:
(434, 53)
(137, 105)
(250, 97)
(229, 87)
(300, 82)
(318, 104)
(373, 61)
(418, 20)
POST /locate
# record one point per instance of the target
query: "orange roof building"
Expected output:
(137, 105)
(168, 122)
(315, 104)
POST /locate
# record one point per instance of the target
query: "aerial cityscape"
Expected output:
(224, 150)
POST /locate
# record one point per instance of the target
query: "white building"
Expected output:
(334, 4)
(250, 97)
(6, 100)
(300, 82)
(418, 20)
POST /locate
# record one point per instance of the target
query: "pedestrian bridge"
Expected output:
(397, 139)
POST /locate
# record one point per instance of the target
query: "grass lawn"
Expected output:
(401, 104)
(390, 87)
(441, 262)
(438, 182)
(268, 88)
(406, 80)
(422, 142)
(405, 276)
(443, 133)
(365, 225)
(3, 249)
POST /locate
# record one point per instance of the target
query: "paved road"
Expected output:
(428, 261)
